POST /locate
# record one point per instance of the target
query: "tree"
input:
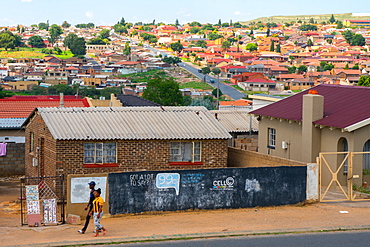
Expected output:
(355, 66)
(118, 28)
(4, 93)
(36, 41)
(278, 48)
(225, 24)
(171, 60)
(206, 71)
(42, 26)
(225, 45)
(201, 43)
(358, 40)
(339, 25)
(163, 91)
(177, 23)
(177, 47)
(195, 23)
(122, 22)
(78, 47)
(65, 24)
(302, 68)
(252, 47)
(55, 31)
(272, 46)
(218, 92)
(312, 21)
(346, 67)
(308, 27)
(332, 19)
(348, 35)
(127, 49)
(194, 30)
(214, 36)
(69, 39)
(364, 81)
(96, 41)
(292, 70)
(7, 40)
(206, 101)
(104, 34)
(309, 42)
(237, 25)
(219, 22)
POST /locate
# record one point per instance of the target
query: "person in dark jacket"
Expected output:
(89, 207)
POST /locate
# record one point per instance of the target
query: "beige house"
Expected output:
(327, 118)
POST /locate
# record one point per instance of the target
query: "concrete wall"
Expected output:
(13, 162)
(77, 187)
(245, 158)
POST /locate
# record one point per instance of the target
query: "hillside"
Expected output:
(318, 18)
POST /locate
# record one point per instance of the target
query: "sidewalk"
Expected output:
(199, 224)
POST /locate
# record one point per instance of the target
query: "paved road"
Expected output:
(330, 239)
(225, 89)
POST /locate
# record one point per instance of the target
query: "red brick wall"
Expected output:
(38, 127)
(66, 157)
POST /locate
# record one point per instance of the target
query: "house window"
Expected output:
(272, 137)
(185, 152)
(100, 153)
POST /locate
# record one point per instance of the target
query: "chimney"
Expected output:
(312, 110)
(61, 97)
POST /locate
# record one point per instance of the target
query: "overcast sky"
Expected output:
(108, 12)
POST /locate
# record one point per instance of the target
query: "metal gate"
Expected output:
(341, 176)
(48, 188)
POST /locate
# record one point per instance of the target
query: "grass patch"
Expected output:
(196, 85)
(68, 54)
(145, 76)
(240, 89)
(27, 52)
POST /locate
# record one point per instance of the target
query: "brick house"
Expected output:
(113, 139)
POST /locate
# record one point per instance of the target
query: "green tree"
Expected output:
(69, 39)
(225, 45)
(355, 66)
(339, 25)
(332, 19)
(217, 92)
(308, 27)
(214, 36)
(96, 41)
(201, 43)
(104, 34)
(364, 81)
(78, 47)
(118, 28)
(4, 93)
(163, 91)
(206, 101)
(122, 22)
(237, 25)
(309, 42)
(55, 31)
(206, 71)
(177, 23)
(358, 40)
(292, 70)
(225, 24)
(348, 35)
(65, 24)
(177, 47)
(127, 49)
(312, 21)
(42, 26)
(346, 67)
(36, 41)
(194, 30)
(252, 47)
(195, 23)
(302, 68)
(272, 46)
(219, 22)
(7, 40)
(278, 48)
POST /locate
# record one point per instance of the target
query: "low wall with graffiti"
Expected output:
(135, 192)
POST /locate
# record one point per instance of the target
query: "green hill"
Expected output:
(317, 18)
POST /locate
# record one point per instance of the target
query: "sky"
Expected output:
(109, 12)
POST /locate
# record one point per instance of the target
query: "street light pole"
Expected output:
(218, 91)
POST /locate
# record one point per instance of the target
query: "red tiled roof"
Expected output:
(259, 80)
(343, 106)
(22, 108)
(239, 102)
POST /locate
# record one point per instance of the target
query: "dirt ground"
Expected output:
(291, 218)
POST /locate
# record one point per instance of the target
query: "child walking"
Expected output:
(97, 212)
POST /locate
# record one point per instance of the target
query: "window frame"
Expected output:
(271, 138)
(194, 151)
(104, 155)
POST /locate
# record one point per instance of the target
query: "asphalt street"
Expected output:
(327, 239)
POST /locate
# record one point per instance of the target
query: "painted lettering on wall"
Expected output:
(192, 180)
(252, 185)
(168, 180)
(141, 179)
(224, 184)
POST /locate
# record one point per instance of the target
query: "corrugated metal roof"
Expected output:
(132, 123)
(11, 123)
(343, 106)
(236, 121)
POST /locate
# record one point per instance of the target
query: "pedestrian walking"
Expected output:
(89, 207)
(98, 213)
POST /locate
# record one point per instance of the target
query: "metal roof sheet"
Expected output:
(343, 106)
(132, 123)
(11, 123)
(236, 121)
